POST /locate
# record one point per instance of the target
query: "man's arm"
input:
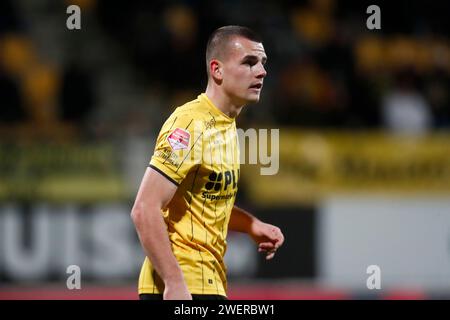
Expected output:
(155, 193)
(268, 237)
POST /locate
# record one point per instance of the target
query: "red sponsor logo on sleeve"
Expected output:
(179, 139)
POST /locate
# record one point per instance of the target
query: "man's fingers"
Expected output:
(281, 239)
(270, 255)
(266, 245)
(273, 234)
(276, 236)
(267, 249)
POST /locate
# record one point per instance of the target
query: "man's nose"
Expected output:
(261, 73)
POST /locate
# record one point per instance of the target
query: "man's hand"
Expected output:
(268, 237)
(176, 291)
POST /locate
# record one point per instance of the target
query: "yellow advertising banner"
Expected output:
(311, 165)
(314, 165)
(60, 173)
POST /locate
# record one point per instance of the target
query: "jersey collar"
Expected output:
(216, 110)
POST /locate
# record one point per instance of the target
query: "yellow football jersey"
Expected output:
(198, 150)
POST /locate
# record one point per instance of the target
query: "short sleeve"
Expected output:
(178, 147)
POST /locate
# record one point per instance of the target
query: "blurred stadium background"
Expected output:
(364, 118)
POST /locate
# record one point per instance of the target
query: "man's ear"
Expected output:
(215, 69)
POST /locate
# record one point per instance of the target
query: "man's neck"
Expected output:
(223, 102)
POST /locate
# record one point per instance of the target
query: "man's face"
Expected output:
(243, 70)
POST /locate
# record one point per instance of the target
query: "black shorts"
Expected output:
(151, 296)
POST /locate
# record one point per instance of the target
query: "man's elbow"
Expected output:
(143, 211)
(137, 213)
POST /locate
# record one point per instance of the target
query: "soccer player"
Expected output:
(185, 203)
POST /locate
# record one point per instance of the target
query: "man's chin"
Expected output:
(253, 99)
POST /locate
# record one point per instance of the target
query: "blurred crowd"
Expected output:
(325, 68)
